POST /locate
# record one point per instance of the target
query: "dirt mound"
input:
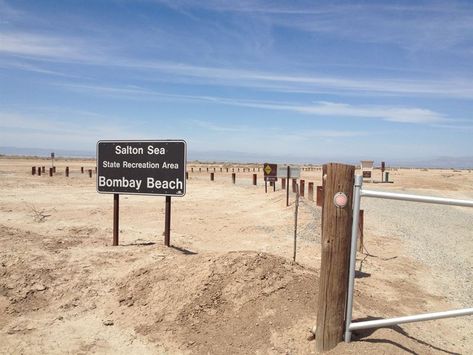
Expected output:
(239, 301)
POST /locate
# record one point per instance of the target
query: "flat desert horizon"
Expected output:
(228, 283)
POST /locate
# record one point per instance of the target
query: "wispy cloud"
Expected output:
(306, 135)
(322, 109)
(304, 83)
(32, 45)
(455, 126)
(219, 128)
(24, 66)
(23, 128)
(436, 26)
(79, 52)
(386, 113)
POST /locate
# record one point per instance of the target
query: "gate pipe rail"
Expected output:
(378, 323)
(416, 198)
(358, 192)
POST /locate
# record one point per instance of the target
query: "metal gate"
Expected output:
(357, 194)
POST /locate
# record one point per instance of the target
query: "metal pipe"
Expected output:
(354, 237)
(409, 319)
(416, 198)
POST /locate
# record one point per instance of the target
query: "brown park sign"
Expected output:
(270, 172)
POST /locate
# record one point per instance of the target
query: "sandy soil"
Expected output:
(228, 283)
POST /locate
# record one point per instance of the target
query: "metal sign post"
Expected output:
(167, 222)
(116, 218)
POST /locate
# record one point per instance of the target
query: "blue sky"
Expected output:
(305, 79)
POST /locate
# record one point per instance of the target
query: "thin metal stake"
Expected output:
(295, 224)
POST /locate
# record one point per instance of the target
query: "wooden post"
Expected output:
(283, 183)
(192, 170)
(255, 177)
(116, 214)
(33, 170)
(39, 171)
(67, 171)
(187, 175)
(294, 185)
(336, 234)
(320, 196)
(90, 173)
(302, 187)
(265, 185)
(274, 186)
(234, 178)
(310, 191)
(167, 222)
(212, 176)
(43, 169)
(50, 171)
(81, 169)
(361, 223)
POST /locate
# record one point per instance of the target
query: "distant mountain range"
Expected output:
(241, 157)
(39, 152)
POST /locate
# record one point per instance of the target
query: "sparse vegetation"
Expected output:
(39, 216)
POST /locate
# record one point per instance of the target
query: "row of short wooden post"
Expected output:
(310, 190)
(226, 169)
(238, 169)
(42, 170)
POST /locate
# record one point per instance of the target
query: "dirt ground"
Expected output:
(228, 284)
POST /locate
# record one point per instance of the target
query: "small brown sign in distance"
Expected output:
(270, 172)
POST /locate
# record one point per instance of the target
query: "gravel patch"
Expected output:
(438, 236)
